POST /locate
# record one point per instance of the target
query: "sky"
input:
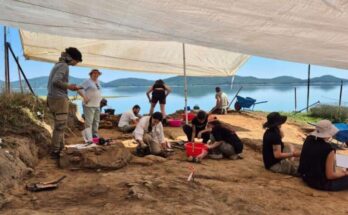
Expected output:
(256, 66)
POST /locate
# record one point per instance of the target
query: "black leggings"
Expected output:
(338, 184)
(331, 185)
(188, 131)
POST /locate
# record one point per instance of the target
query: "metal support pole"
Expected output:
(185, 82)
(19, 77)
(7, 67)
(308, 84)
(20, 68)
(295, 100)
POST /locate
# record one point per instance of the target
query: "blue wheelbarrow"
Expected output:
(342, 134)
(246, 102)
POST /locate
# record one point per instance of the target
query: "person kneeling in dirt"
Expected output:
(317, 162)
(57, 98)
(275, 158)
(129, 120)
(224, 142)
(149, 135)
(198, 128)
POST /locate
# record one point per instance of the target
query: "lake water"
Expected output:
(280, 98)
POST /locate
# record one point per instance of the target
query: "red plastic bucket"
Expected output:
(190, 116)
(196, 149)
(174, 122)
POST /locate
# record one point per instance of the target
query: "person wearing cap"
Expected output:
(221, 105)
(57, 97)
(150, 136)
(198, 128)
(318, 160)
(91, 98)
(129, 119)
(275, 158)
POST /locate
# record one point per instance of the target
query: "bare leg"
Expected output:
(163, 110)
(152, 108)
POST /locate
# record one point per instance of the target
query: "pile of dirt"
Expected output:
(110, 157)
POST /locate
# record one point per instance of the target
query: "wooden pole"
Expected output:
(308, 84)
(7, 67)
(340, 99)
(295, 100)
(20, 68)
(185, 82)
(19, 76)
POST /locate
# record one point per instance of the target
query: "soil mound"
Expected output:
(108, 157)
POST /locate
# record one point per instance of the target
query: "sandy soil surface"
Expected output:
(159, 186)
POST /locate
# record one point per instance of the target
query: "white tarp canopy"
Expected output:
(308, 31)
(135, 55)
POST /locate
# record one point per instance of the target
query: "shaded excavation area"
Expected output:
(111, 180)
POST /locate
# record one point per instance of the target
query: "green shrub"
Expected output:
(330, 112)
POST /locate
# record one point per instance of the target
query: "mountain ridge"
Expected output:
(41, 82)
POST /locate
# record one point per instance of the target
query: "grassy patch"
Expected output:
(14, 108)
(301, 117)
(332, 113)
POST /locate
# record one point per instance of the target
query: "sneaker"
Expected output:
(216, 156)
(235, 157)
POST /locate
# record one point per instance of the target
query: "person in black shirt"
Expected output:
(159, 91)
(317, 162)
(224, 140)
(275, 158)
(198, 128)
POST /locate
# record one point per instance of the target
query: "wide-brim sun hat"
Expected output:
(324, 129)
(274, 119)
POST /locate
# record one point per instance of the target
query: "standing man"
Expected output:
(57, 98)
(91, 94)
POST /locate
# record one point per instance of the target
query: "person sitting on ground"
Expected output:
(317, 162)
(275, 158)
(91, 95)
(160, 91)
(221, 105)
(198, 128)
(149, 135)
(129, 120)
(224, 142)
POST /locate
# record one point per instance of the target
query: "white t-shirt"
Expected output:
(126, 118)
(142, 127)
(92, 90)
(224, 99)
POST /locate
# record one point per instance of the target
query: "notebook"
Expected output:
(342, 160)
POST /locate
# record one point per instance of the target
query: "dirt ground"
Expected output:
(159, 186)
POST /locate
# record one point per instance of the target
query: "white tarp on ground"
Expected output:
(308, 31)
(135, 55)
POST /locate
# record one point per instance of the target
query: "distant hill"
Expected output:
(128, 82)
(41, 82)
